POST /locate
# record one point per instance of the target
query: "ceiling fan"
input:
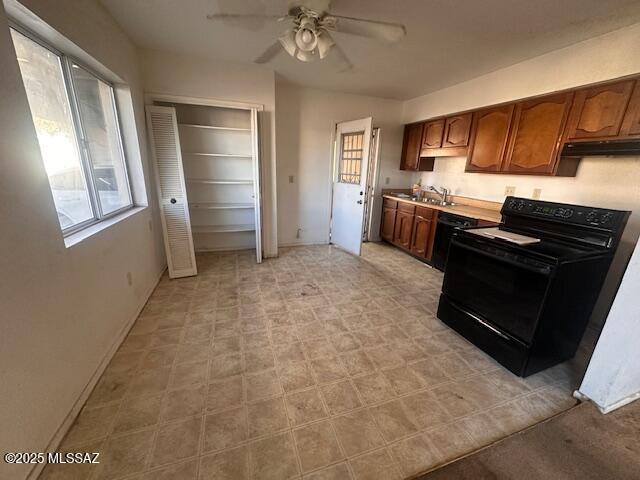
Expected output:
(309, 38)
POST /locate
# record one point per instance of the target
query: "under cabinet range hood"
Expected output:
(611, 147)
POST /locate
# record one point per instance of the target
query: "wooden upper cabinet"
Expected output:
(488, 143)
(535, 136)
(456, 131)
(598, 111)
(432, 134)
(411, 146)
(631, 121)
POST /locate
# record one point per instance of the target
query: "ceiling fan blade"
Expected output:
(385, 31)
(243, 16)
(340, 59)
(269, 53)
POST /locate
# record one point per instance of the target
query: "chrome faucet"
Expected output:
(442, 193)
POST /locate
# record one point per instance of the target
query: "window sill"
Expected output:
(85, 233)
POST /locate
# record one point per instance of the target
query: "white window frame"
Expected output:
(66, 62)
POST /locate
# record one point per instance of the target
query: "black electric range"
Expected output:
(528, 305)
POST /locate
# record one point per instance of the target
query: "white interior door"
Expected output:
(351, 160)
(172, 192)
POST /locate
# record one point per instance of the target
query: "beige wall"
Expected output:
(182, 75)
(62, 308)
(604, 182)
(304, 125)
(601, 58)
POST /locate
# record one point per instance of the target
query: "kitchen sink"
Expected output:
(435, 201)
(430, 200)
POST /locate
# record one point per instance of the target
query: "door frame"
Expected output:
(375, 137)
(256, 146)
(373, 174)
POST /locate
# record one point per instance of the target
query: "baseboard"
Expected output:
(303, 244)
(608, 408)
(64, 427)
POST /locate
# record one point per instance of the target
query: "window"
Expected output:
(76, 122)
(350, 157)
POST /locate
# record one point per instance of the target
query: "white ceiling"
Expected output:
(447, 42)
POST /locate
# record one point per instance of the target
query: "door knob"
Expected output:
(359, 202)
(173, 200)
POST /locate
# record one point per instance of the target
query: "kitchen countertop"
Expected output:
(459, 209)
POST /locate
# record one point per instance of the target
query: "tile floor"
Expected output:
(316, 364)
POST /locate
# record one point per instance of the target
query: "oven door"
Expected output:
(504, 289)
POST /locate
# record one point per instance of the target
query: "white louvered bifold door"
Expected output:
(172, 192)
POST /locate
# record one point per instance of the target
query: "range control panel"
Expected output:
(575, 214)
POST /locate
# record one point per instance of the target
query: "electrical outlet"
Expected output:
(291, 178)
(509, 190)
(536, 193)
(387, 180)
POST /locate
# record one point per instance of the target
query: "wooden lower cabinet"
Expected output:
(388, 223)
(421, 237)
(403, 229)
(409, 227)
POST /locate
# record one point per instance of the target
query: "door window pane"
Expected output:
(50, 108)
(100, 127)
(351, 146)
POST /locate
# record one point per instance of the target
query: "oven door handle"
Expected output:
(541, 270)
(489, 326)
(450, 224)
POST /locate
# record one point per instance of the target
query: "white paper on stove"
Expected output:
(495, 232)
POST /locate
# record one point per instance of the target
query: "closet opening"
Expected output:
(208, 177)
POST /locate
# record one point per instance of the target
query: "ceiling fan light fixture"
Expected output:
(325, 42)
(306, 36)
(288, 42)
(305, 56)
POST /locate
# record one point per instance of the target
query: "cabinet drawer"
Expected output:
(388, 203)
(406, 207)
(424, 212)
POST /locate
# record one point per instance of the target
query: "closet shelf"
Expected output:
(223, 228)
(220, 182)
(224, 155)
(212, 127)
(219, 206)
